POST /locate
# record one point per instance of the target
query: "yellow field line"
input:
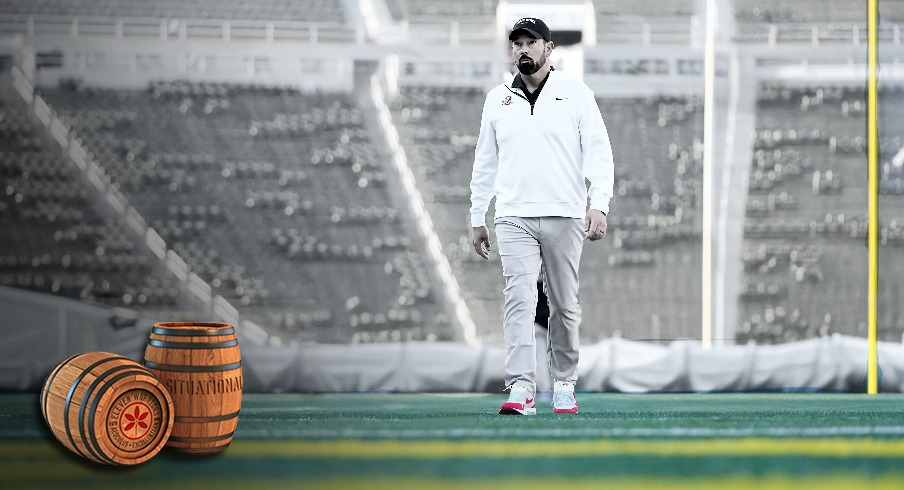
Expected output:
(35, 464)
(830, 447)
(427, 449)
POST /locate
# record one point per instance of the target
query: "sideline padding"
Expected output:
(836, 363)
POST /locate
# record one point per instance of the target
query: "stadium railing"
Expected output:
(181, 29)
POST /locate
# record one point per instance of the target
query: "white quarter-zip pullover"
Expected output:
(535, 159)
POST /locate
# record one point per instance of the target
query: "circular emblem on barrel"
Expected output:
(134, 420)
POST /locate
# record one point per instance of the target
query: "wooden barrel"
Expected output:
(201, 367)
(107, 408)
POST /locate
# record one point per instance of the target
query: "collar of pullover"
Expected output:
(518, 83)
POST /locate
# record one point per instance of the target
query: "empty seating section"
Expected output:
(57, 239)
(439, 10)
(288, 10)
(809, 20)
(661, 22)
(777, 11)
(438, 128)
(280, 201)
(812, 11)
(647, 270)
(804, 253)
(275, 198)
(667, 8)
(643, 280)
(441, 22)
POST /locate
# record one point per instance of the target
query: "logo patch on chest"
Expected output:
(507, 100)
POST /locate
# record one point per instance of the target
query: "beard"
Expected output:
(528, 66)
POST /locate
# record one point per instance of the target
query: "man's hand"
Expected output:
(480, 238)
(595, 225)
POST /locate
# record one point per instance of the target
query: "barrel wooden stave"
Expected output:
(107, 408)
(200, 365)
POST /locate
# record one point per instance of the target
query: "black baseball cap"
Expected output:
(534, 27)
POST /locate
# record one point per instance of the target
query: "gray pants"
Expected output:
(523, 244)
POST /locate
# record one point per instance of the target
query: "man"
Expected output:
(542, 138)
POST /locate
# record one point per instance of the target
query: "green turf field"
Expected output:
(362, 441)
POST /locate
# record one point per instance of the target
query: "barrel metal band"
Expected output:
(192, 333)
(202, 439)
(49, 384)
(71, 393)
(212, 418)
(193, 345)
(193, 369)
(199, 450)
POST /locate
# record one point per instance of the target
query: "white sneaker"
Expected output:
(521, 401)
(563, 400)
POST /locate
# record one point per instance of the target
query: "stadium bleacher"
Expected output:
(275, 198)
(645, 9)
(58, 240)
(433, 9)
(807, 11)
(805, 267)
(664, 22)
(289, 10)
(813, 21)
(300, 176)
(310, 21)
